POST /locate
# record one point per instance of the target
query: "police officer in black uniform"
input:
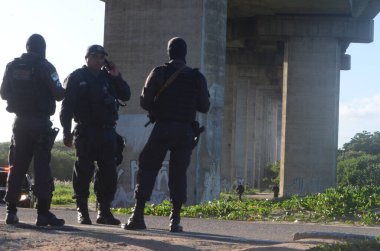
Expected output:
(91, 99)
(172, 105)
(31, 86)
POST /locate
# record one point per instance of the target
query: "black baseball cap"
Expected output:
(96, 49)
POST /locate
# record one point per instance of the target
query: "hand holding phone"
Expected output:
(110, 67)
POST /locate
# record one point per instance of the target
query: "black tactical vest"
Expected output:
(178, 101)
(30, 96)
(98, 105)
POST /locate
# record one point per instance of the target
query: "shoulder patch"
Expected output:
(54, 76)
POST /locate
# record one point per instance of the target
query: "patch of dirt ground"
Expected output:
(29, 237)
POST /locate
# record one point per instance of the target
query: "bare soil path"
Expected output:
(201, 234)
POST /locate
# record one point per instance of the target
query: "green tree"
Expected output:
(359, 160)
(363, 142)
(62, 160)
(272, 175)
(4, 148)
(359, 170)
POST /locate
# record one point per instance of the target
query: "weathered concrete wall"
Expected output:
(213, 53)
(136, 35)
(249, 120)
(251, 115)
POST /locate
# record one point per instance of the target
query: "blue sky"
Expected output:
(359, 107)
(69, 26)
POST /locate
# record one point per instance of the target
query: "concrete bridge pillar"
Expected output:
(265, 134)
(310, 115)
(301, 57)
(313, 52)
(136, 33)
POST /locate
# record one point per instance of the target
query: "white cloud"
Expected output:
(359, 115)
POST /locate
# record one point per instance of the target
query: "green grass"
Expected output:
(63, 193)
(352, 205)
(349, 204)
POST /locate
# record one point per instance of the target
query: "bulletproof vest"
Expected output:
(178, 101)
(98, 105)
(30, 95)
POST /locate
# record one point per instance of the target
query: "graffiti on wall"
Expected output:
(211, 183)
(124, 196)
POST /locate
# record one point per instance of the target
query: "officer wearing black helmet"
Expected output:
(31, 86)
(91, 99)
(172, 95)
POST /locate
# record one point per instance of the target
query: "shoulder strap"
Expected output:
(169, 81)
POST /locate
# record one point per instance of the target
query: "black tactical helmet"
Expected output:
(36, 43)
(177, 48)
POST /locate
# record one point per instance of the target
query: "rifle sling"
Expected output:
(169, 81)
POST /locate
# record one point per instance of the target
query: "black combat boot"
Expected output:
(45, 217)
(136, 221)
(11, 216)
(82, 208)
(105, 216)
(175, 218)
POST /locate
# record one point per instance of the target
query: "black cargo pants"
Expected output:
(95, 144)
(30, 139)
(177, 138)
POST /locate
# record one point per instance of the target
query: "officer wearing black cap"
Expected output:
(172, 95)
(31, 86)
(92, 100)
